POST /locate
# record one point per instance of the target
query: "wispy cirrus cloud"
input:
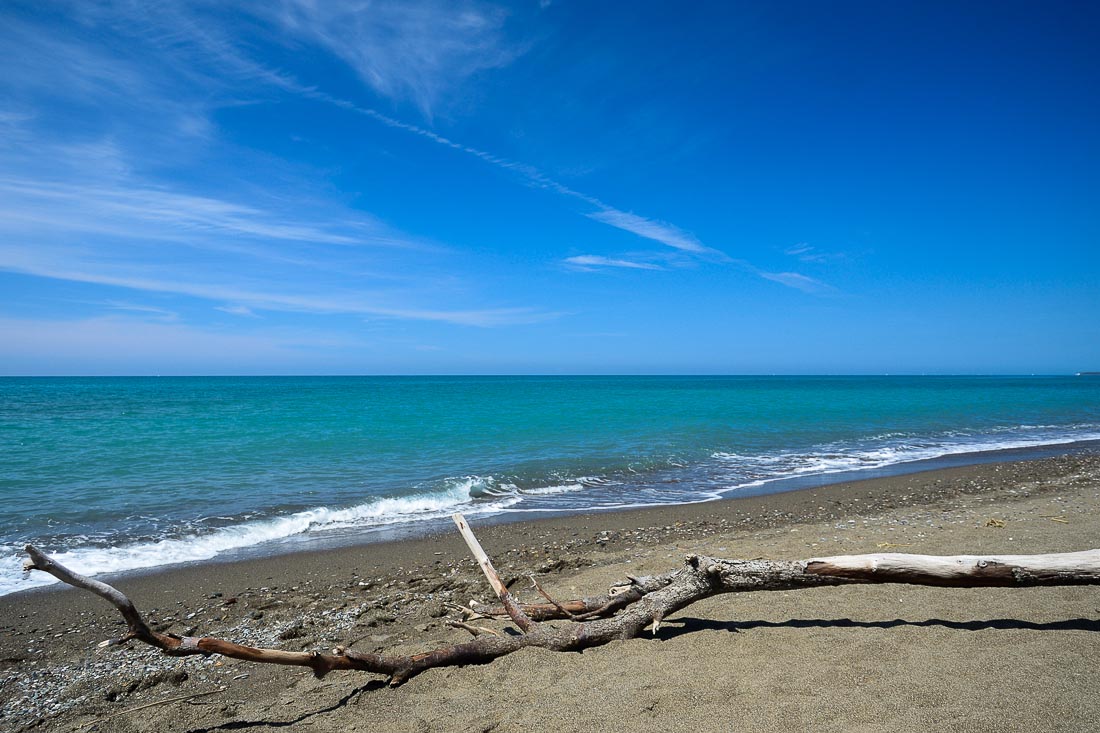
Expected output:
(86, 267)
(647, 228)
(589, 262)
(799, 281)
(237, 310)
(658, 231)
(150, 213)
(415, 51)
(160, 314)
(401, 49)
(94, 199)
(419, 50)
(79, 202)
(148, 97)
(808, 253)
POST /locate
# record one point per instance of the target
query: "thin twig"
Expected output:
(475, 630)
(547, 596)
(469, 613)
(596, 613)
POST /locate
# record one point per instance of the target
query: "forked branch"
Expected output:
(625, 611)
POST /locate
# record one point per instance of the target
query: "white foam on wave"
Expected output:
(757, 470)
(745, 471)
(482, 495)
(488, 486)
(473, 495)
(546, 490)
(197, 547)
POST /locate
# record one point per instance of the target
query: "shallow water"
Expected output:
(124, 473)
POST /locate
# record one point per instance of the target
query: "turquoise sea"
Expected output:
(124, 473)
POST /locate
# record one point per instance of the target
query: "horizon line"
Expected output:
(549, 374)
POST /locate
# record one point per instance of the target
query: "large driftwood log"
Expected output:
(625, 611)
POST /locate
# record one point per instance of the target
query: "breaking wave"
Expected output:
(724, 474)
(472, 495)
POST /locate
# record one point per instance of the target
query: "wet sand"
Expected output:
(870, 658)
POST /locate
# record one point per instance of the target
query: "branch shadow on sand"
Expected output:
(686, 625)
(680, 626)
(246, 724)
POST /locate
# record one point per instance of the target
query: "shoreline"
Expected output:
(769, 491)
(387, 596)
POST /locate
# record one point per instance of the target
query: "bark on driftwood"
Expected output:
(622, 613)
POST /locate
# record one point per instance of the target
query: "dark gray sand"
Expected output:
(871, 658)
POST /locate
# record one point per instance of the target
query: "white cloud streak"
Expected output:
(590, 262)
(237, 310)
(160, 314)
(153, 213)
(666, 234)
(89, 271)
(657, 231)
(799, 281)
(809, 253)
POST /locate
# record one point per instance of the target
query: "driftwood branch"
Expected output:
(622, 613)
(516, 613)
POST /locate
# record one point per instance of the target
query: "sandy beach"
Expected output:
(870, 658)
(661, 304)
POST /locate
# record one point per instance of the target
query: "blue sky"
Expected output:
(291, 186)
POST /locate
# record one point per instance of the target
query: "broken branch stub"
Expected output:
(598, 620)
(514, 611)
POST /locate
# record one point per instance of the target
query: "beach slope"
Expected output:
(868, 658)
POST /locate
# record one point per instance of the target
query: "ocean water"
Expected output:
(115, 474)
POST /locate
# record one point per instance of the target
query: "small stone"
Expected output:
(294, 631)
